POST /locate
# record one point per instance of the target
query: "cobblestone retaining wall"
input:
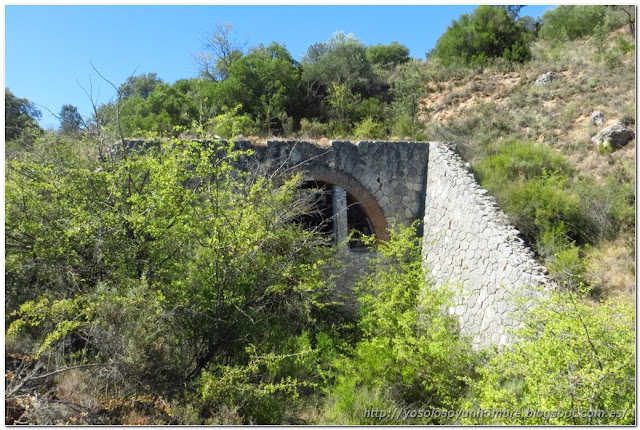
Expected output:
(469, 245)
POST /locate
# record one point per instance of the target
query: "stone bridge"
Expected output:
(383, 181)
(467, 241)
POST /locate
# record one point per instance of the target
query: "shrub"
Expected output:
(369, 128)
(167, 258)
(572, 355)
(338, 129)
(541, 203)
(562, 256)
(404, 126)
(230, 124)
(313, 129)
(609, 205)
(530, 181)
(370, 107)
(408, 89)
(410, 353)
(514, 160)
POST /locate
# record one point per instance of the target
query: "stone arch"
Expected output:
(352, 186)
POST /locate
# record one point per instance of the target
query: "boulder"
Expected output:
(545, 78)
(614, 136)
(597, 118)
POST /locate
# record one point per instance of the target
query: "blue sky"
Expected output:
(48, 48)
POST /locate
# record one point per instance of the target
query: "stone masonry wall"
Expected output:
(387, 178)
(469, 243)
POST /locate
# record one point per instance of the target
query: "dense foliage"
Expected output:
(410, 353)
(20, 118)
(264, 91)
(487, 33)
(172, 283)
(160, 264)
(571, 22)
(573, 356)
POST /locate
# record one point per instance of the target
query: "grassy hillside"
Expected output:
(485, 112)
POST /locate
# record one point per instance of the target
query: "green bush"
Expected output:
(562, 256)
(230, 124)
(608, 204)
(313, 129)
(411, 353)
(530, 182)
(572, 355)
(515, 160)
(408, 89)
(404, 126)
(168, 258)
(541, 203)
(371, 107)
(369, 128)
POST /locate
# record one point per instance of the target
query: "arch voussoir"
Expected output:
(352, 186)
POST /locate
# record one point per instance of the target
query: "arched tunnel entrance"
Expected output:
(343, 206)
(338, 214)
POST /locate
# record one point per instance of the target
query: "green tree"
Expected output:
(570, 22)
(408, 89)
(342, 60)
(71, 121)
(393, 54)
(200, 103)
(20, 117)
(512, 10)
(487, 33)
(141, 85)
(343, 102)
(530, 25)
(266, 83)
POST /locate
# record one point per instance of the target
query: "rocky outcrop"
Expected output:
(545, 78)
(615, 136)
(597, 118)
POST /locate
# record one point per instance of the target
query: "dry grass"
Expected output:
(612, 267)
(557, 114)
(75, 386)
(262, 141)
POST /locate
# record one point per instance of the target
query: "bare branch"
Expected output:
(80, 366)
(119, 105)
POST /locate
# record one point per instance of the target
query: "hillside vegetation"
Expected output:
(165, 286)
(531, 147)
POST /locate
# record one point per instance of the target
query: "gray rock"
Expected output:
(597, 118)
(615, 136)
(545, 78)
